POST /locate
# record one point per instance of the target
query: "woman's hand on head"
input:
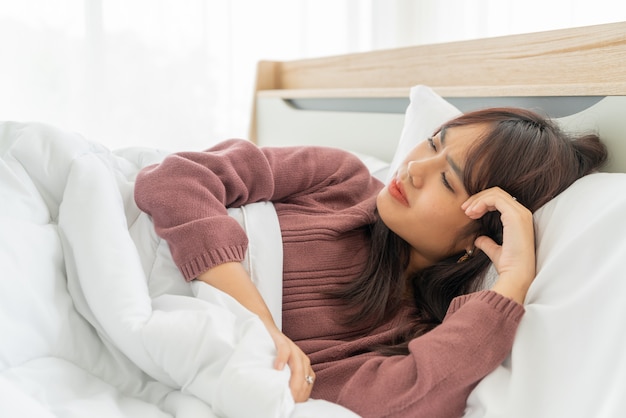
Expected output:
(288, 353)
(514, 260)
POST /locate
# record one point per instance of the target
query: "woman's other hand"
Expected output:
(233, 279)
(514, 260)
(302, 375)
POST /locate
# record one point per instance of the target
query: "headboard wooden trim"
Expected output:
(575, 60)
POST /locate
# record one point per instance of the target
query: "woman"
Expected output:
(383, 310)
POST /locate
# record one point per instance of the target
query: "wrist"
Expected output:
(512, 289)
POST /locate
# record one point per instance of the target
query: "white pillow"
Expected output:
(567, 358)
(426, 112)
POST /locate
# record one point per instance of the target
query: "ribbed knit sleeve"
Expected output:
(187, 195)
(443, 366)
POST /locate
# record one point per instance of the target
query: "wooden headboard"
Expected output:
(357, 100)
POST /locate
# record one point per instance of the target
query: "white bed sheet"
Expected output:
(95, 316)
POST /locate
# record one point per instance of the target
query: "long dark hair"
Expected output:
(523, 153)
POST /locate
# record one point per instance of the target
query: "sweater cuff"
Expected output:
(498, 302)
(206, 261)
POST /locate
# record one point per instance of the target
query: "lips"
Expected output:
(397, 192)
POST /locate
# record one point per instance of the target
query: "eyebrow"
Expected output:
(457, 169)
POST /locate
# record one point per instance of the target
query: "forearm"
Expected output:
(442, 368)
(232, 278)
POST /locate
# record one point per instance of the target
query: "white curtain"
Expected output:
(179, 74)
(411, 22)
(174, 74)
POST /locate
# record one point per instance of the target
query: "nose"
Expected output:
(416, 171)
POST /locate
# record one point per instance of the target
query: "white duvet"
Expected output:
(95, 318)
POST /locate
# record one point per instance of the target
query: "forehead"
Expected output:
(458, 136)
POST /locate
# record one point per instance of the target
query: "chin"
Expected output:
(384, 202)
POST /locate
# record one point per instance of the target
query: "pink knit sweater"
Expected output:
(324, 198)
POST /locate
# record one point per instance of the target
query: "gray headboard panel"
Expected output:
(373, 126)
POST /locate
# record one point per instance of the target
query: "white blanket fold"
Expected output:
(111, 315)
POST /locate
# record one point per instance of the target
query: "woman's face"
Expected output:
(422, 203)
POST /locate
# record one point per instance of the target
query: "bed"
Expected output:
(95, 317)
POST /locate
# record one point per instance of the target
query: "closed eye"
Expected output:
(431, 142)
(445, 182)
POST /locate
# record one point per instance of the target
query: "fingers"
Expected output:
(514, 260)
(489, 200)
(488, 246)
(302, 376)
(282, 354)
(517, 221)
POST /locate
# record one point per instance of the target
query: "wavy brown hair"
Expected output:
(522, 152)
